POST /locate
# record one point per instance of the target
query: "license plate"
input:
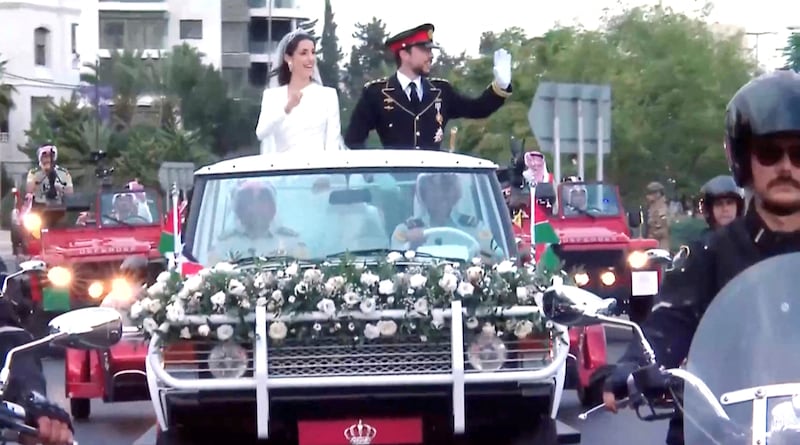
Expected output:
(644, 283)
(365, 431)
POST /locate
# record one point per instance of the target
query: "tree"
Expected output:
(331, 53)
(6, 95)
(369, 58)
(792, 52)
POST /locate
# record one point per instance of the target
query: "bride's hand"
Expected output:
(294, 99)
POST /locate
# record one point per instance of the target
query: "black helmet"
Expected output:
(722, 186)
(768, 104)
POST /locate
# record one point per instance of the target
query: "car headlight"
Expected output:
(637, 259)
(95, 290)
(487, 353)
(608, 278)
(227, 360)
(581, 279)
(59, 276)
(32, 222)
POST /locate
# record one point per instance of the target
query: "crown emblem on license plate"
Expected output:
(360, 433)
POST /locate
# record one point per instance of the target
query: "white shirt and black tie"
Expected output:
(412, 88)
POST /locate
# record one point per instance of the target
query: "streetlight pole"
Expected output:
(269, 42)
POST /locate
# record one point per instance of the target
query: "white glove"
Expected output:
(502, 68)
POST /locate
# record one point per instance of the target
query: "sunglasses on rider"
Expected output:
(769, 155)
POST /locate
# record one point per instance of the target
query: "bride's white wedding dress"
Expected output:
(313, 125)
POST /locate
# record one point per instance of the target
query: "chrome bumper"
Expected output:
(160, 381)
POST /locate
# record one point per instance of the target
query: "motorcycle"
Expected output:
(88, 328)
(741, 382)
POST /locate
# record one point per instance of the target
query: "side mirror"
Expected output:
(573, 306)
(545, 192)
(88, 328)
(659, 256)
(634, 219)
(32, 266)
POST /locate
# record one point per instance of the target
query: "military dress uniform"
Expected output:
(280, 242)
(658, 216)
(466, 223)
(385, 107)
(41, 184)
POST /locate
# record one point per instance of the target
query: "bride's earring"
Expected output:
(290, 66)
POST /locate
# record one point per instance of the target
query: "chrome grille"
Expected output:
(328, 359)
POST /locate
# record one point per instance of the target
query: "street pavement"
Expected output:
(132, 422)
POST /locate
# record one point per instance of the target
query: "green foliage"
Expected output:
(792, 52)
(329, 50)
(6, 94)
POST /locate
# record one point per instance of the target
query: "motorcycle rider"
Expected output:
(27, 386)
(49, 183)
(762, 145)
(721, 201)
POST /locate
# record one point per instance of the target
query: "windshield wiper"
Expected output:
(117, 220)
(582, 211)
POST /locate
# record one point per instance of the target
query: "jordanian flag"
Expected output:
(544, 238)
(167, 242)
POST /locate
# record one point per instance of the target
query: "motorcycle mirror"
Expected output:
(660, 256)
(573, 306)
(88, 328)
(32, 266)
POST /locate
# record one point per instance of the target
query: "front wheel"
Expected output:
(80, 408)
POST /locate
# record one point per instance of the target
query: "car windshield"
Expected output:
(135, 208)
(452, 214)
(589, 199)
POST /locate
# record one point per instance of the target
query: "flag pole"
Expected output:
(175, 223)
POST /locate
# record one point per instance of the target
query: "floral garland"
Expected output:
(203, 305)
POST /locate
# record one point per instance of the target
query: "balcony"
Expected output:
(287, 9)
(289, 4)
(261, 47)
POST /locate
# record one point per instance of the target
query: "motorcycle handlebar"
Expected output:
(12, 423)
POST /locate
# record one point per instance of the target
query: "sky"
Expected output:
(459, 23)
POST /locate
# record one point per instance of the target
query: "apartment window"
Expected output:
(4, 129)
(234, 37)
(132, 30)
(74, 38)
(41, 38)
(192, 29)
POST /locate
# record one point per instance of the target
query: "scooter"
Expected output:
(88, 328)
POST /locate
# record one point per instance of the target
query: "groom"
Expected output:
(410, 110)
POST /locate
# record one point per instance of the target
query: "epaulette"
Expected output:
(467, 220)
(438, 79)
(373, 82)
(414, 223)
(285, 231)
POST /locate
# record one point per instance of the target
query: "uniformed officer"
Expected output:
(254, 206)
(49, 183)
(437, 196)
(657, 214)
(410, 110)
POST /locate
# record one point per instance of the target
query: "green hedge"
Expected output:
(684, 231)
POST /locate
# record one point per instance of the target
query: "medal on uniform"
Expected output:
(439, 135)
(439, 117)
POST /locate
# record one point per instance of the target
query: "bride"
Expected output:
(300, 114)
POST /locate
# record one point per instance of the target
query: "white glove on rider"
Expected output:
(502, 68)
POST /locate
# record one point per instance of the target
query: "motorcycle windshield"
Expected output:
(748, 337)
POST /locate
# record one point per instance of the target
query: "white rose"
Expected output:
(205, 272)
(367, 306)
(301, 289)
(327, 306)
(522, 294)
(386, 287)
(292, 270)
(149, 325)
(477, 261)
(277, 296)
(387, 328)
(417, 281)
(438, 320)
(421, 306)
(448, 268)
(244, 303)
(163, 277)
(224, 267)
(193, 283)
(184, 293)
(474, 274)
(154, 306)
(465, 289)
(350, 298)
(278, 330)
(369, 279)
(218, 299)
(224, 332)
(313, 276)
(394, 257)
(410, 254)
(136, 310)
(204, 330)
(472, 323)
(523, 329)
(261, 301)
(334, 284)
(156, 289)
(538, 299)
(371, 331)
(175, 312)
(506, 267)
(448, 282)
(236, 288)
(186, 333)
(291, 299)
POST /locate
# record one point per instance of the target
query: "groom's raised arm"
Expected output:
(363, 120)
